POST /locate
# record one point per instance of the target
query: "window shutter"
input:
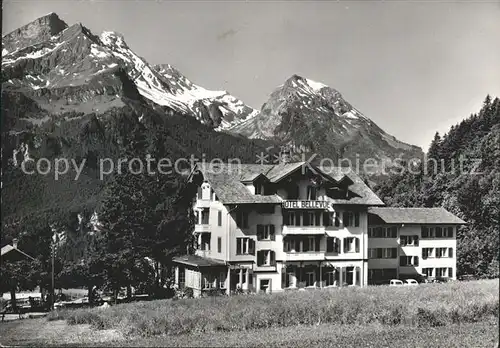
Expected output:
(357, 244)
(325, 219)
(272, 257)
(251, 247)
(394, 232)
(238, 246)
(415, 260)
(260, 231)
(272, 232)
(450, 252)
(345, 245)
(219, 218)
(356, 219)
(317, 242)
(345, 218)
(424, 253)
(260, 258)
(344, 275)
(402, 260)
(450, 232)
(415, 239)
(285, 218)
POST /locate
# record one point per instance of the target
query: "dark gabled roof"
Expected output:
(226, 181)
(9, 248)
(197, 261)
(363, 195)
(415, 216)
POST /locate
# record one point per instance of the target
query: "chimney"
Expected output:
(14, 243)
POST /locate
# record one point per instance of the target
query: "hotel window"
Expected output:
(205, 241)
(428, 271)
(390, 253)
(208, 281)
(317, 218)
(408, 261)
(265, 232)
(266, 258)
(450, 252)
(441, 252)
(409, 240)
(382, 253)
(219, 218)
(331, 278)
(328, 219)
(310, 278)
(356, 219)
(351, 219)
(245, 246)
(427, 252)
(292, 218)
(219, 245)
(182, 277)
(351, 245)
(242, 219)
(290, 280)
(306, 218)
(222, 280)
(311, 193)
(205, 216)
(439, 232)
(441, 272)
(424, 232)
(288, 245)
(332, 245)
(450, 272)
(450, 232)
(310, 244)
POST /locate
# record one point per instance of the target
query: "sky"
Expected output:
(413, 67)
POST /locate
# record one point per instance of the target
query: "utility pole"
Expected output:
(53, 288)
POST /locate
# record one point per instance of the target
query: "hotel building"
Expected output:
(268, 228)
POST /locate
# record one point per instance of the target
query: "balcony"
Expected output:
(203, 203)
(265, 268)
(304, 255)
(200, 228)
(303, 230)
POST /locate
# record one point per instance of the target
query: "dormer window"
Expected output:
(259, 190)
(311, 193)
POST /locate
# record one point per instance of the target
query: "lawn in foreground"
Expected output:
(429, 305)
(474, 335)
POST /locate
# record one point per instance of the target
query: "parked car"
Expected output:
(395, 282)
(410, 282)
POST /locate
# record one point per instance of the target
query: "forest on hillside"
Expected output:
(461, 172)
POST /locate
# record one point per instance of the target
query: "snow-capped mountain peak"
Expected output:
(46, 55)
(310, 113)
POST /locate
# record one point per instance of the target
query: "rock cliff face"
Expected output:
(70, 69)
(310, 114)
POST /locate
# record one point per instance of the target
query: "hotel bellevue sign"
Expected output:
(306, 205)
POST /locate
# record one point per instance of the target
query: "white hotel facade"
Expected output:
(268, 228)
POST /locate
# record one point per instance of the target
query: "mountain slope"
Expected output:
(67, 93)
(308, 113)
(68, 68)
(463, 175)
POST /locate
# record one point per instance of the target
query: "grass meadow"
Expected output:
(427, 306)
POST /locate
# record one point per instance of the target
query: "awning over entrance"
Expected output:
(198, 261)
